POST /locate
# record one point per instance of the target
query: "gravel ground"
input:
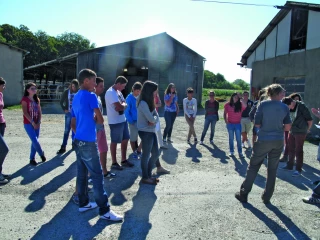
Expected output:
(196, 201)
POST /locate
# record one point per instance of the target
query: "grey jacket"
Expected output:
(145, 116)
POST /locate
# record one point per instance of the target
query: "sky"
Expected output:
(219, 32)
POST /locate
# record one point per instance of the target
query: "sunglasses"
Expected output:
(33, 88)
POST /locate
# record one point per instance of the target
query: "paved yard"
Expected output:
(196, 201)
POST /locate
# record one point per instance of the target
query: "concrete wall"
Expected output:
(11, 69)
(305, 63)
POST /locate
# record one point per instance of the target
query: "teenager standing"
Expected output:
(32, 120)
(190, 112)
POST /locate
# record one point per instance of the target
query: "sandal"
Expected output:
(116, 166)
(150, 181)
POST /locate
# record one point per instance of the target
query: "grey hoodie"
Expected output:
(145, 116)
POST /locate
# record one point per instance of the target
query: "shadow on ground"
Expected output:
(32, 173)
(136, 221)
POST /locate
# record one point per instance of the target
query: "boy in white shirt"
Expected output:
(190, 112)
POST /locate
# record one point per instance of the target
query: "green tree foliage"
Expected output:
(218, 81)
(41, 46)
(243, 84)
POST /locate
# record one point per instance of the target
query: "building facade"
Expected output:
(288, 52)
(11, 69)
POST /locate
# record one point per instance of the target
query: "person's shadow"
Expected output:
(290, 231)
(32, 173)
(217, 153)
(170, 155)
(302, 182)
(69, 223)
(38, 197)
(193, 153)
(123, 181)
(136, 221)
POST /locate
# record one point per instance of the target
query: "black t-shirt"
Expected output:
(246, 112)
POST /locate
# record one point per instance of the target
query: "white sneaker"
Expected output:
(242, 144)
(89, 206)
(112, 216)
(249, 144)
(211, 142)
(231, 154)
(201, 142)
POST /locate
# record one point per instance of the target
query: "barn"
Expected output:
(159, 58)
(288, 52)
(11, 69)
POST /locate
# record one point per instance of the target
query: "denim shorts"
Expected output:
(119, 132)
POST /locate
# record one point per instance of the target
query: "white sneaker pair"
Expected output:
(111, 215)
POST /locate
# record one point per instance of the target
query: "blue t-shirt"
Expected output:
(83, 106)
(271, 115)
(173, 106)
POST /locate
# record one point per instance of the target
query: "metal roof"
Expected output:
(274, 22)
(140, 39)
(16, 48)
(74, 55)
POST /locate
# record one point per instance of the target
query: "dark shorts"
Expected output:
(119, 132)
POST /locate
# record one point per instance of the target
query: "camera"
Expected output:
(121, 112)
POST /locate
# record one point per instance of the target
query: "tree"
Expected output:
(208, 80)
(72, 43)
(243, 84)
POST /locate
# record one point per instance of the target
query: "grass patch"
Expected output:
(14, 107)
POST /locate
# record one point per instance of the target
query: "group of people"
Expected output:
(137, 117)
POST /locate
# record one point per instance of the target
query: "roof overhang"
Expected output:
(284, 10)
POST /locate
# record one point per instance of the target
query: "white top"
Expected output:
(112, 96)
(190, 107)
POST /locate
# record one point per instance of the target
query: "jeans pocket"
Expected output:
(86, 152)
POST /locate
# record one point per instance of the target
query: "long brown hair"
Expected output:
(147, 94)
(76, 84)
(168, 90)
(237, 105)
(26, 93)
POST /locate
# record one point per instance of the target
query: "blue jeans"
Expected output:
(149, 143)
(67, 128)
(3, 151)
(88, 160)
(234, 129)
(169, 117)
(34, 136)
(210, 119)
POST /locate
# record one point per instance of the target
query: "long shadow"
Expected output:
(170, 155)
(193, 153)
(70, 224)
(32, 173)
(136, 221)
(302, 182)
(39, 196)
(217, 153)
(123, 181)
(290, 232)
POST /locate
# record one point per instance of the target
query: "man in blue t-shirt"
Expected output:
(85, 107)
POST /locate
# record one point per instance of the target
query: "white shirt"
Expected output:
(190, 107)
(112, 96)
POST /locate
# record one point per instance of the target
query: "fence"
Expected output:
(50, 92)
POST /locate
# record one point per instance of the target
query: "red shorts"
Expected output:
(102, 141)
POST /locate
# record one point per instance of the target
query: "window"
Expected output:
(188, 68)
(299, 26)
(195, 69)
(292, 84)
